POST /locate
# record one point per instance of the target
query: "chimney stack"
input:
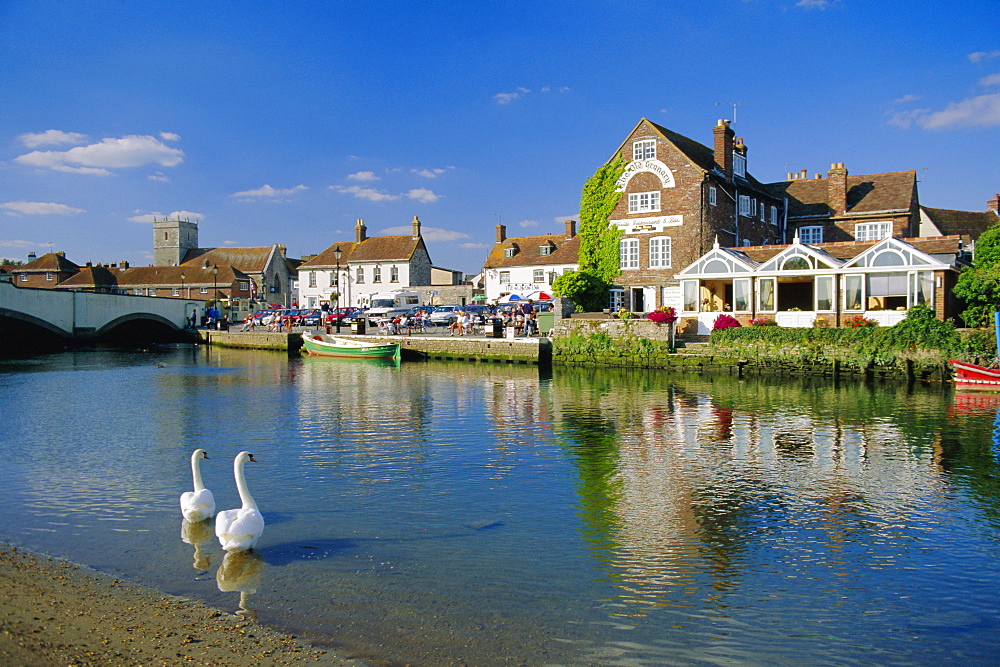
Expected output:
(724, 146)
(360, 231)
(837, 188)
(282, 249)
(32, 256)
(501, 233)
(994, 204)
(416, 227)
(570, 228)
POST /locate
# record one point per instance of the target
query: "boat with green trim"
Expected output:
(324, 345)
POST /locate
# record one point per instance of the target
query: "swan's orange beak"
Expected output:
(253, 459)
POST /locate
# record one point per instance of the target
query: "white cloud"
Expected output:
(362, 176)
(429, 173)
(371, 194)
(158, 176)
(980, 56)
(979, 111)
(991, 80)
(564, 218)
(98, 159)
(18, 244)
(267, 191)
(906, 99)
(474, 246)
(528, 223)
(52, 138)
(507, 98)
(429, 233)
(813, 4)
(422, 195)
(176, 215)
(38, 208)
(170, 136)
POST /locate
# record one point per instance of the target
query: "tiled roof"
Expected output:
(966, 223)
(326, 258)
(564, 251)
(50, 261)
(103, 276)
(248, 260)
(387, 248)
(844, 250)
(871, 193)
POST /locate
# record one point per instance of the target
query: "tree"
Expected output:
(979, 287)
(586, 290)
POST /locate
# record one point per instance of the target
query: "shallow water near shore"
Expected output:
(439, 513)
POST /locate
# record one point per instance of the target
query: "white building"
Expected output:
(529, 264)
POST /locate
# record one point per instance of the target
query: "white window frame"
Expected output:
(505, 277)
(872, 231)
(538, 275)
(394, 274)
(774, 216)
(748, 206)
(360, 279)
(203, 290)
(690, 291)
(509, 252)
(739, 164)
(644, 202)
(831, 289)
(377, 274)
(545, 249)
(24, 277)
(862, 284)
(659, 252)
(713, 197)
(811, 234)
(763, 293)
(644, 149)
(176, 291)
(628, 254)
(49, 276)
(312, 279)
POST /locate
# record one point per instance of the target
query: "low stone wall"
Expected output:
(264, 340)
(640, 327)
(464, 348)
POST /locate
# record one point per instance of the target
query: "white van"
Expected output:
(390, 304)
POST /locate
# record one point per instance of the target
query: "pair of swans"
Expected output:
(237, 530)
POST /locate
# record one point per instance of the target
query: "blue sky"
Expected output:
(284, 122)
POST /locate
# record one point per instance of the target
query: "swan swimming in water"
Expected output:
(239, 530)
(199, 504)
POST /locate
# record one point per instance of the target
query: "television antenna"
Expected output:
(734, 105)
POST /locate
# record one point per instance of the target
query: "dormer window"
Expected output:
(545, 249)
(740, 164)
(644, 150)
(509, 252)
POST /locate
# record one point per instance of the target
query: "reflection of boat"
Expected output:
(325, 345)
(971, 376)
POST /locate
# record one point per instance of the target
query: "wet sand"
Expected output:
(53, 612)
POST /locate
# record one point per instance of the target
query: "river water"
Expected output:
(446, 513)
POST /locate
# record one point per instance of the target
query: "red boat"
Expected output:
(971, 376)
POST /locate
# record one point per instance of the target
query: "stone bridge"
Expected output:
(47, 317)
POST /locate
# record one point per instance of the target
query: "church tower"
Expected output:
(172, 239)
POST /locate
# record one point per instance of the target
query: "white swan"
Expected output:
(239, 530)
(199, 504)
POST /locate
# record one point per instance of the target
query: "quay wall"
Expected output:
(466, 348)
(644, 344)
(252, 339)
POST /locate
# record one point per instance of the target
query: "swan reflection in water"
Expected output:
(197, 534)
(241, 571)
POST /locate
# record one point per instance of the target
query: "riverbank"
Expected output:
(53, 612)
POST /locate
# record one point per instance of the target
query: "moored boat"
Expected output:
(971, 376)
(979, 378)
(325, 345)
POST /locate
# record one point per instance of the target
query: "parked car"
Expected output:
(309, 317)
(342, 314)
(445, 315)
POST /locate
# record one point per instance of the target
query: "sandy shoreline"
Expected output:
(53, 612)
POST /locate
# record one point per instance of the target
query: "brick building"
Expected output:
(678, 197)
(46, 271)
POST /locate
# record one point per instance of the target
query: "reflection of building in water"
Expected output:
(682, 491)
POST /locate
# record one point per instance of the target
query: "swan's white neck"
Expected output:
(241, 485)
(196, 471)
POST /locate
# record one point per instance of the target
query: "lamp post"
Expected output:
(336, 283)
(215, 292)
(182, 285)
